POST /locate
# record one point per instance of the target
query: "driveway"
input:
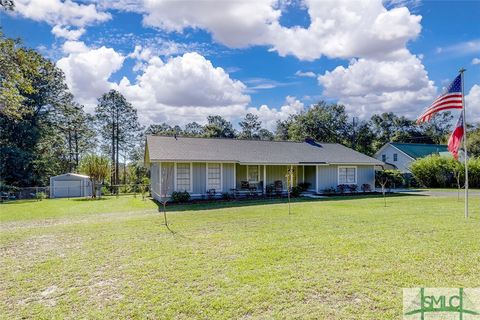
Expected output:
(437, 192)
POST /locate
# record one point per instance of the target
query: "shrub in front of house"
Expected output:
(296, 191)
(226, 196)
(304, 186)
(353, 188)
(330, 190)
(366, 187)
(342, 188)
(180, 196)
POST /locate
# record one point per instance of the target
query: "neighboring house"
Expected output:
(199, 165)
(401, 155)
(70, 185)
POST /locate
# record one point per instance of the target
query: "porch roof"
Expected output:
(162, 148)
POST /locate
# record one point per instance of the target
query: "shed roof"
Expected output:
(162, 148)
(420, 150)
(75, 175)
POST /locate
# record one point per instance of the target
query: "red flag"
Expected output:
(456, 137)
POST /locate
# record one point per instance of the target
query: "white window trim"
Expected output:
(191, 176)
(347, 167)
(221, 176)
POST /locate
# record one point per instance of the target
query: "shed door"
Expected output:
(65, 189)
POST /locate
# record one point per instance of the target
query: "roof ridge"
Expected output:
(235, 139)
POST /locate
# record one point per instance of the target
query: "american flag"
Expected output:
(450, 99)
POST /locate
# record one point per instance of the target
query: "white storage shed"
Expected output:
(70, 185)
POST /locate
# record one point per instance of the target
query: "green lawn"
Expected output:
(345, 258)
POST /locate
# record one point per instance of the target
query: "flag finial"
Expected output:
(462, 70)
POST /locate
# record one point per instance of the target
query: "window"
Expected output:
(183, 176)
(347, 175)
(384, 157)
(252, 173)
(214, 176)
(395, 157)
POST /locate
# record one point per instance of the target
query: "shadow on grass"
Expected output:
(19, 201)
(221, 204)
(89, 199)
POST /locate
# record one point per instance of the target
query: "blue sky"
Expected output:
(276, 58)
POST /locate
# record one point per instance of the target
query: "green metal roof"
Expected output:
(420, 150)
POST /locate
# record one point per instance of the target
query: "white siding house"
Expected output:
(401, 155)
(200, 165)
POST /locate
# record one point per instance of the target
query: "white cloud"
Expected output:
(63, 13)
(240, 24)
(369, 86)
(70, 34)
(308, 74)
(472, 105)
(88, 71)
(338, 29)
(179, 90)
(476, 61)
(461, 48)
(384, 75)
(190, 80)
(270, 116)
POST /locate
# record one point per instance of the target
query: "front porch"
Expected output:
(217, 179)
(262, 179)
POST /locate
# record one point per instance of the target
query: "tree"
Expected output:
(120, 128)
(218, 127)
(77, 127)
(473, 141)
(250, 127)
(322, 122)
(264, 134)
(194, 129)
(281, 130)
(388, 178)
(8, 5)
(97, 168)
(32, 93)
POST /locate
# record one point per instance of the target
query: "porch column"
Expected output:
(303, 174)
(264, 179)
(316, 178)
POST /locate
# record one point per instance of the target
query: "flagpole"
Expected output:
(465, 144)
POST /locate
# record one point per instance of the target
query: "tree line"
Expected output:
(329, 123)
(44, 132)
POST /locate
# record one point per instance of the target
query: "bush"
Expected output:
(304, 186)
(296, 191)
(366, 187)
(226, 196)
(443, 172)
(388, 177)
(330, 190)
(342, 188)
(40, 196)
(180, 196)
(353, 187)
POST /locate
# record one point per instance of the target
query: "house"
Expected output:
(203, 165)
(70, 185)
(401, 155)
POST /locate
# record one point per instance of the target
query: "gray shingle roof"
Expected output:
(161, 148)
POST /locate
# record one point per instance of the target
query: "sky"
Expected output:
(180, 61)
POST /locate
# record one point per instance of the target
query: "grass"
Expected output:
(345, 258)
